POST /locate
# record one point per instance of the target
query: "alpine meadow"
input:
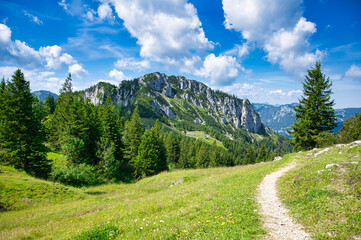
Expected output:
(225, 119)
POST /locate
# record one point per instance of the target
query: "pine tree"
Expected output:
(151, 158)
(21, 140)
(262, 155)
(110, 147)
(314, 113)
(49, 104)
(171, 148)
(250, 156)
(132, 136)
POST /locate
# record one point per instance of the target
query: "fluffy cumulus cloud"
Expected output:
(118, 75)
(289, 48)
(19, 53)
(16, 52)
(77, 70)
(38, 79)
(222, 70)
(276, 26)
(166, 30)
(105, 12)
(354, 72)
(258, 19)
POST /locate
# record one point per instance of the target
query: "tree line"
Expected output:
(101, 143)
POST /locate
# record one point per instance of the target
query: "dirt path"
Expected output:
(276, 220)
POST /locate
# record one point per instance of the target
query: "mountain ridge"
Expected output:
(177, 99)
(280, 118)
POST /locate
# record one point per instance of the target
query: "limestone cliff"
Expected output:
(176, 98)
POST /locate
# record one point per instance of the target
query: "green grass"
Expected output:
(217, 203)
(326, 201)
(20, 191)
(206, 138)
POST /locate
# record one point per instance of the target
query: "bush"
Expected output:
(75, 175)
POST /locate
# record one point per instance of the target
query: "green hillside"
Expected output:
(324, 191)
(215, 203)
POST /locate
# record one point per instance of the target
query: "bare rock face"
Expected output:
(223, 108)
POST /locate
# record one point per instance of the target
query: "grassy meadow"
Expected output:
(324, 197)
(216, 203)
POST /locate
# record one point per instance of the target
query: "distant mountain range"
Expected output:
(43, 94)
(281, 117)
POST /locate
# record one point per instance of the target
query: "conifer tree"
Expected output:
(21, 140)
(171, 148)
(49, 104)
(314, 113)
(250, 156)
(262, 155)
(132, 136)
(151, 158)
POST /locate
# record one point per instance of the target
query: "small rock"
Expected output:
(277, 158)
(310, 154)
(353, 156)
(350, 163)
(331, 165)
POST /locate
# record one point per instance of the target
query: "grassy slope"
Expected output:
(216, 203)
(20, 191)
(327, 203)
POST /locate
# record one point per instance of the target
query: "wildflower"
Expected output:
(223, 223)
(161, 221)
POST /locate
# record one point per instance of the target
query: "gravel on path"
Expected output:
(275, 218)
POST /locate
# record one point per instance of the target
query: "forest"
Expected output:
(102, 143)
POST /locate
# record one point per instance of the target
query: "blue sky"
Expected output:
(256, 49)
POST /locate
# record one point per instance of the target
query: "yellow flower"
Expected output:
(223, 223)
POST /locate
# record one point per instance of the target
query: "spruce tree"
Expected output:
(21, 140)
(262, 155)
(132, 136)
(49, 104)
(151, 158)
(314, 113)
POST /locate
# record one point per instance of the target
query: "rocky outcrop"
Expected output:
(204, 102)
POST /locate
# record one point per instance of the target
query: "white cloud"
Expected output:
(278, 27)
(289, 48)
(132, 64)
(77, 70)
(354, 72)
(222, 70)
(258, 19)
(39, 80)
(105, 12)
(65, 5)
(53, 57)
(19, 53)
(33, 18)
(245, 90)
(282, 93)
(119, 75)
(5, 33)
(166, 30)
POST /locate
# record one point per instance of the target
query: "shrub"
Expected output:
(75, 175)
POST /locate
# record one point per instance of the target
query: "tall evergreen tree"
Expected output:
(151, 158)
(132, 136)
(21, 140)
(171, 146)
(49, 104)
(314, 113)
(262, 155)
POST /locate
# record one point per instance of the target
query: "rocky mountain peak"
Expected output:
(176, 98)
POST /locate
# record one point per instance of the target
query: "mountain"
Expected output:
(281, 117)
(180, 101)
(42, 95)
